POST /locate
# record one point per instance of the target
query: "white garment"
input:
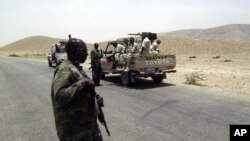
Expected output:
(135, 48)
(120, 48)
(146, 43)
(126, 49)
(154, 48)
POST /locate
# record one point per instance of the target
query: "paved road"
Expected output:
(145, 112)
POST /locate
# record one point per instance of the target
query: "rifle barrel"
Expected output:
(134, 34)
(101, 116)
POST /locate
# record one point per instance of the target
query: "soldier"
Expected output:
(155, 46)
(118, 51)
(74, 102)
(146, 43)
(126, 46)
(114, 56)
(134, 47)
(95, 55)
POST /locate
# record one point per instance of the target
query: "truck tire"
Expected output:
(157, 78)
(125, 78)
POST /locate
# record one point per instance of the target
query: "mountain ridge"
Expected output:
(36, 43)
(230, 32)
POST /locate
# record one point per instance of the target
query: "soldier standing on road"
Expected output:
(73, 101)
(96, 55)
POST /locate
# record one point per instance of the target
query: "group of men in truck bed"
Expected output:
(127, 47)
(130, 46)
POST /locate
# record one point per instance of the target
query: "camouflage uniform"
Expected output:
(74, 107)
(95, 55)
(96, 65)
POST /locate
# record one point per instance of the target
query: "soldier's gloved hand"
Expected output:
(89, 83)
(100, 100)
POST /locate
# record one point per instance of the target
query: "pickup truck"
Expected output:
(57, 54)
(151, 65)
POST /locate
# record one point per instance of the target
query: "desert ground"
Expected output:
(222, 64)
(217, 73)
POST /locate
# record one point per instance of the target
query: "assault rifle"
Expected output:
(100, 115)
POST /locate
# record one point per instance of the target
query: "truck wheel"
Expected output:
(157, 79)
(133, 77)
(125, 78)
(50, 63)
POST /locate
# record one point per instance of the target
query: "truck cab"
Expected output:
(57, 54)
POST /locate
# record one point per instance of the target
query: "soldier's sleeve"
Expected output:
(65, 86)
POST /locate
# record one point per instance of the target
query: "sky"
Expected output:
(101, 20)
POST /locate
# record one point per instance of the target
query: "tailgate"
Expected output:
(162, 62)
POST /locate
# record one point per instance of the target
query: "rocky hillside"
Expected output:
(33, 44)
(232, 32)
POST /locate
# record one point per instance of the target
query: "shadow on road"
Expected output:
(142, 83)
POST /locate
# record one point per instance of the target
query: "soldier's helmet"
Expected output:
(76, 50)
(96, 45)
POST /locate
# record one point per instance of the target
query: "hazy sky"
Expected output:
(99, 20)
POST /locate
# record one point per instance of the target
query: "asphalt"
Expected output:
(143, 112)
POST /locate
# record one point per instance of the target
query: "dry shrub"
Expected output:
(34, 55)
(13, 55)
(194, 78)
(216, 57)
(227, 60)
(192, 57)
(39, 54)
